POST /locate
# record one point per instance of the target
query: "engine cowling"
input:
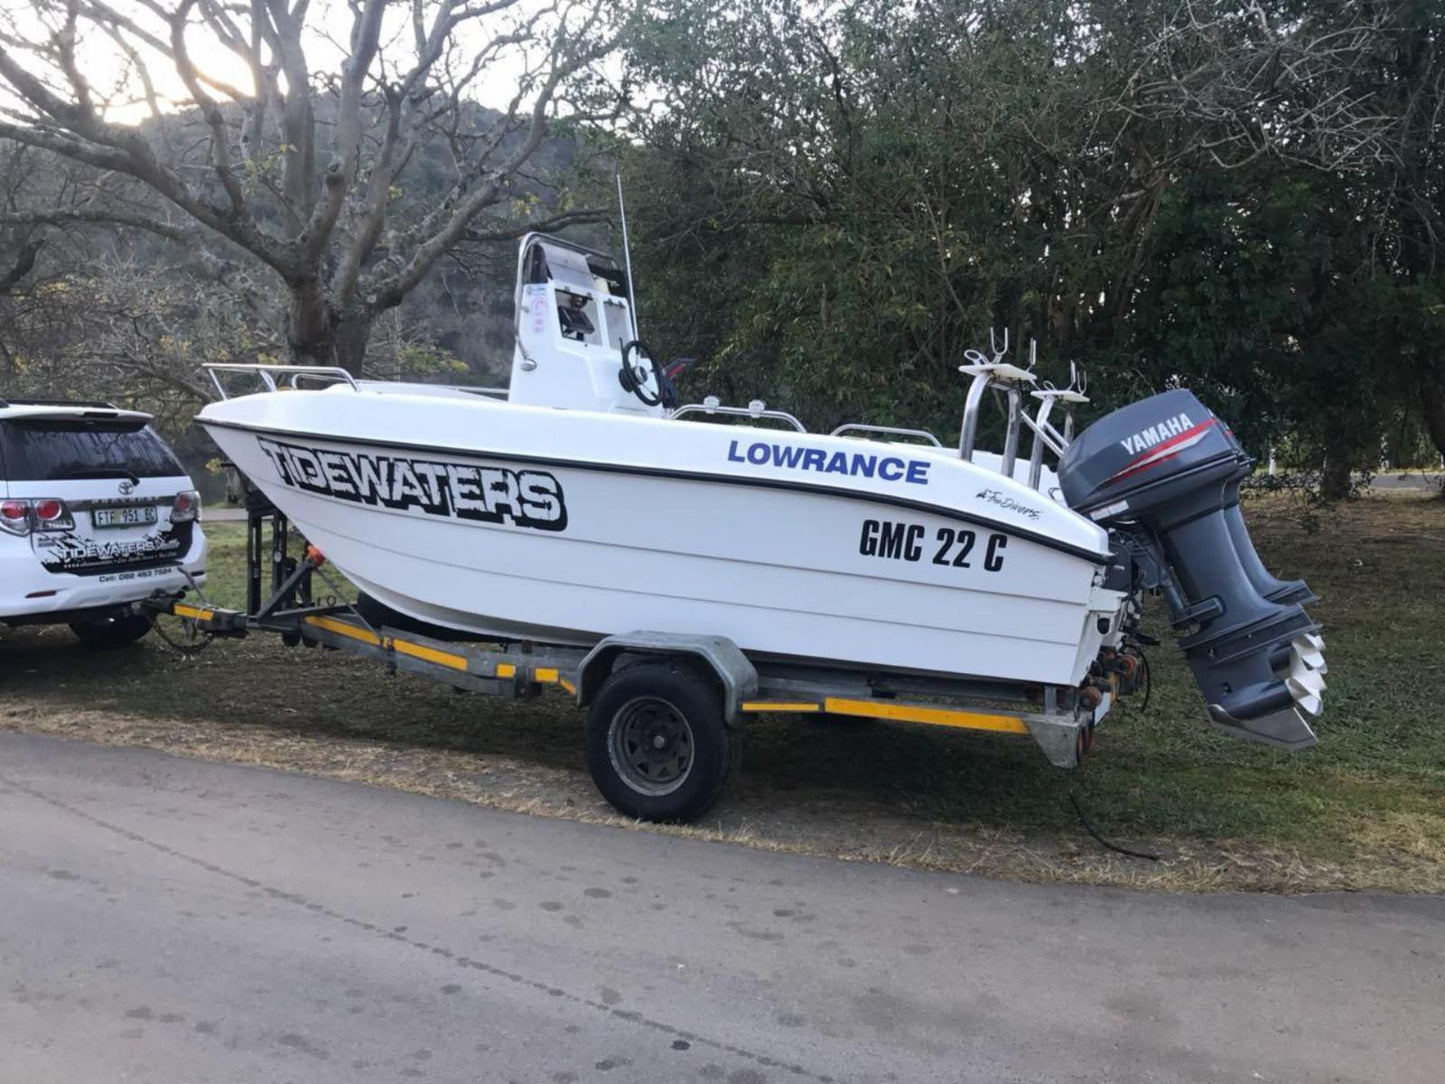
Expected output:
(1163, 476)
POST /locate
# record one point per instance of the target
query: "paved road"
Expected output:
(167, 920)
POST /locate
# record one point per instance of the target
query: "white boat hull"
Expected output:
(564, 526)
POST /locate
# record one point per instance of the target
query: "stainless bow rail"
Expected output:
(269, 373)
(278, 377)
(755, 410)
(886, 430)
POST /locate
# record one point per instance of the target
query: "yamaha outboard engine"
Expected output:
(1163, 476)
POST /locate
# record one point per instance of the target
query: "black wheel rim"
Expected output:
(650, 745)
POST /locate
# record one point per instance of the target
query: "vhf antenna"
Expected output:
(627, 256)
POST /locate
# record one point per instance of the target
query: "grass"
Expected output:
(1365, 809)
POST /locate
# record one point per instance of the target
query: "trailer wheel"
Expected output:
(658, 746)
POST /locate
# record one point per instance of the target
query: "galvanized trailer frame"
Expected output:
(696, 669)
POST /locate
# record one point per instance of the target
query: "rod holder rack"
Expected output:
(1010, 382)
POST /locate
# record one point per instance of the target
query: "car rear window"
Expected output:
(55, 449)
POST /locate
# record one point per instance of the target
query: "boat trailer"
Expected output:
(664, 710)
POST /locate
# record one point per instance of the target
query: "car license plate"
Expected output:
(137, 515)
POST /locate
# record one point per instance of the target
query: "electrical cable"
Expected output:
(1074, 799)
(195, 647)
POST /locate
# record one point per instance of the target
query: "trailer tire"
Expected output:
(105, 633)
(658, 746)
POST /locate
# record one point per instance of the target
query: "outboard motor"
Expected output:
(1163, 476)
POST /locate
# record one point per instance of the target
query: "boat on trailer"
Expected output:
(584, 502)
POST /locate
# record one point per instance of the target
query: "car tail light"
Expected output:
(187, 506)
(41, 514)
(51, 514)
(15, 516)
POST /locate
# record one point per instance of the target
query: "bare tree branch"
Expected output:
(235, 173)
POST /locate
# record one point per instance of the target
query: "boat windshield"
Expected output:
(569, 267)
(590, 292)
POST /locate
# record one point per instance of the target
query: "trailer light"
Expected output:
(15, 516)
(186, 506)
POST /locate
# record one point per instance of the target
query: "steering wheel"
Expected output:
(634, 379)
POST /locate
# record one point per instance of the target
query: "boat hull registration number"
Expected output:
(909, 542)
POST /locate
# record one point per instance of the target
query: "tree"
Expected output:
(275, 157)
(1244, 198)
(1263, 293)
(1410, 75)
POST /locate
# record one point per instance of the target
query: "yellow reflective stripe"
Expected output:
(546, 674)
(430, 654)
(401, 647)
(182, 610)
(780, 705)
(344, 628)
(567, 685)
(909, 713)
(506, 670)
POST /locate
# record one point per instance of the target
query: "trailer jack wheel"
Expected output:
(658, 747)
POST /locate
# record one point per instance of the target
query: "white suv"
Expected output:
(95, 514)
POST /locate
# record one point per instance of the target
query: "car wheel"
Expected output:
(103, 633)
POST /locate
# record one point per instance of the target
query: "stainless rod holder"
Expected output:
(1036, 457)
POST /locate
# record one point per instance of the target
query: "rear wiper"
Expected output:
(104, 472)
